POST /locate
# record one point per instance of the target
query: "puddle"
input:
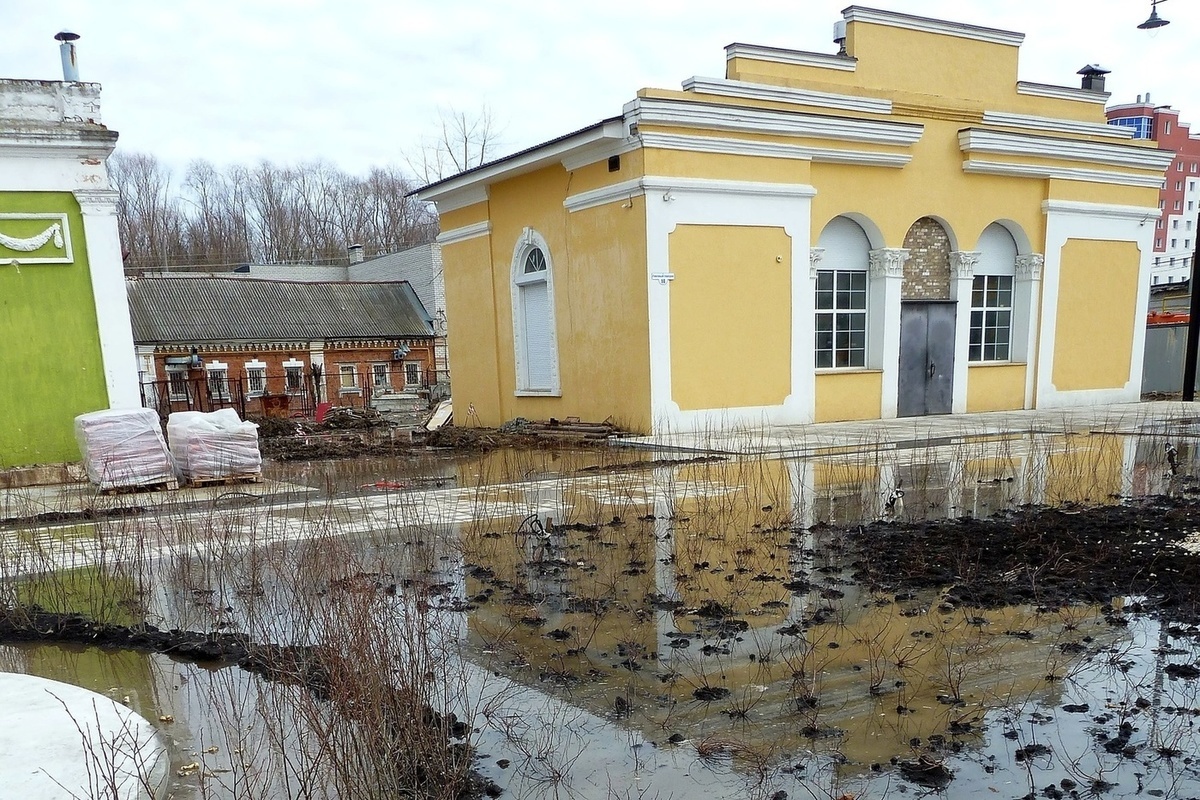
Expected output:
(616, 626)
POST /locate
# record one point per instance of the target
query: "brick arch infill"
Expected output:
(929, 243)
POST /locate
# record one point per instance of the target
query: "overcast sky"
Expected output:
(360, 82)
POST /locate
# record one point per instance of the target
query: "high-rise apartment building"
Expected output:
(1179, 200)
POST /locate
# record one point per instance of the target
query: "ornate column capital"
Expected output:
(888, 262)
(963, 263)
(1029, 267)
(100, 202)
(815, 254)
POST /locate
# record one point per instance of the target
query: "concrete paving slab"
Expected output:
(60, 740)
(36, 502)
(831, 438)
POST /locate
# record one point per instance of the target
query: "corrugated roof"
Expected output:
(192, 310)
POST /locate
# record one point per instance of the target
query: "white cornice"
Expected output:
(976, 140)
(1055, 125)
(929, 25)
(464, 233)
(746, 147)
(671, 185)
(526, 161)
(796, 58)
(1076, 207)
(715, 116)
(601, 151)
(786, 94)
(625, 190)
(1063, 173)
(1062, 92)
(467, 196)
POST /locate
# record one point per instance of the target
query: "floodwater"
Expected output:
(621, 627)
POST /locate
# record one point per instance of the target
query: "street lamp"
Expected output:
(1154, 21)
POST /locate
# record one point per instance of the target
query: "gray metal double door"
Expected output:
(926, 357)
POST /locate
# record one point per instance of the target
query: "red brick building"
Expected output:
(1176, 228)
(257, 345)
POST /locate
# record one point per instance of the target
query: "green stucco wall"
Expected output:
(50, 363)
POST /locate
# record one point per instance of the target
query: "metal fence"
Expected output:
(260, 396)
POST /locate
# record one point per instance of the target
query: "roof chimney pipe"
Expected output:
(66, 49)
(355, 251)
(1093, 77)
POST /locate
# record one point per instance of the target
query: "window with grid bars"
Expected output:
(841, 319)
(991, 318)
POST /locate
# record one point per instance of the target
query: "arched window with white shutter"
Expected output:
(534, 338)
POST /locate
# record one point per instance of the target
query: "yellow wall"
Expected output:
(1097, 294)
(725, 167)
(995, 387)
(731, 316)
(599, 270)
(934, 184)
(848, 395)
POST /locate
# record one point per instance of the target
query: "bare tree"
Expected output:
(463, 141)
(268, 213)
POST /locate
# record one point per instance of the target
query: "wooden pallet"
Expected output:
(225, 480)
(158, 486)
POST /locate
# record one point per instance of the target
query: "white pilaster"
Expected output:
(1027, 297)
(883, 323)
(99, 211)
(962, 274)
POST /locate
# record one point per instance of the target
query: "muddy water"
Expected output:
(695, 629)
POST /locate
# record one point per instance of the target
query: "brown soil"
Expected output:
(1046, 557)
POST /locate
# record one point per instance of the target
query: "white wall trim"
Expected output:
(1056, 124)
(1100, 210)
(786, 94)
(600, 151)
(453, 201)
(61, 235)
(528, 240)
(1062, 92)
(796, 58)
(680, 201)
(625, 190)
(1039, 171)
(746, 147)
(709, 186)
(1068, 219)
(717, 116)
(976, 140)
(929, 25)
(472, 231)
(474, 181)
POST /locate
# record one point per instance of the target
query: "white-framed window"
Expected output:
(1195, 167)
(1179, 167)
(1159, 225)
(412, 373)
(1178, 204)
(991, 318)
(177, 382)
(1174, 243)
(535, 340)
(1175, 224)
(256, 378)
(1155, 279)
(218, 379)
(348, 379)
(1179, 186)
(293, 376)
(841, 320)
(381, 376)
(1167, 126)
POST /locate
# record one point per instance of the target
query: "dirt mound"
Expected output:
(1045, 557)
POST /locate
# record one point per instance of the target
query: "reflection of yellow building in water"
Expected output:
(899, 229)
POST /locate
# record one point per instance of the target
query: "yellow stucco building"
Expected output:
(902, 228)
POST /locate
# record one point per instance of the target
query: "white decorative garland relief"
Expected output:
(56, 231)
(34, 242)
